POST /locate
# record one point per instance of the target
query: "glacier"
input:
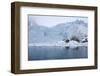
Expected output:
(64, 34)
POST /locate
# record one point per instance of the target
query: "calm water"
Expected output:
(47, 53)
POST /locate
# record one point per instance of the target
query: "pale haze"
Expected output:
(50, 21)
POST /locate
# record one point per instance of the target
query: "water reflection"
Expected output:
(47, 53)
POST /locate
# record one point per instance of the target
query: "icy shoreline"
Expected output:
(60, 43)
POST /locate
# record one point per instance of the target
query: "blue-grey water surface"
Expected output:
(52, 53)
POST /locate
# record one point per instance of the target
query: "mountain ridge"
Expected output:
(39, 34)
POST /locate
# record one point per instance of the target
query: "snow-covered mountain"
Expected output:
(65, 31)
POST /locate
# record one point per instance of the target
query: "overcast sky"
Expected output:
(50, 21)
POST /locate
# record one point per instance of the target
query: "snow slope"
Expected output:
(56, 35)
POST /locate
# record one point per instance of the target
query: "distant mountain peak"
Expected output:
(77, 22)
